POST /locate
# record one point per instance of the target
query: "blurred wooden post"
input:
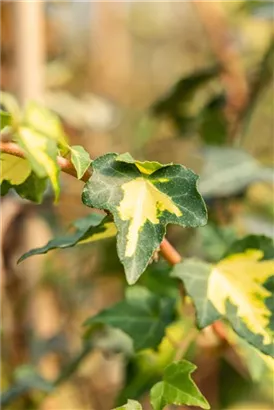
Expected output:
(29, 49)
(111, 50)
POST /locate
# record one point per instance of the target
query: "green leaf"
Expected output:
(33, 188)
(261, 242)
(131, 405)
(175, 104)
(89, 229)
(13, 169)
(5, 119)
(228, 171)
(41, 152)
(80, 159)
(213, 126)
(239, 288)
(142, 315)
(45, 122)
(143, 197)
(177, 388)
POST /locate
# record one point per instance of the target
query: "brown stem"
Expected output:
(168, 252)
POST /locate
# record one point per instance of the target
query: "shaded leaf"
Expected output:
(182, 92)
(89, 229)
(45, 122)
(239, 288)
(177, 388)
(41, 152)
(213, 126)
(142, 315)
(80, 159)
(227, 171)
(32, 188)
(13, 169)
(143, 198)
(131, 405)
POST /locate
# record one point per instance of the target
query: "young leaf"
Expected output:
(13, 169)
(45, 122)
(5, 119)
(143, 197)
(239, 288)
(41, 153)
(142, 315)
(177, 388)
(80, 159)
(131, 405)
(92, 228)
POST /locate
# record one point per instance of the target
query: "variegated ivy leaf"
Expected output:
(143, 197)
(91, 228)
(47, 123)
(239, 288)
(41, 152)
(13, 169)
(80, 159)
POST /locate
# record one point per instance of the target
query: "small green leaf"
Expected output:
(45, 122)
(91, 228)
(131, 405)
(142, 315)
(80, 159)
(177, 388)
(239, 288)
(5, 119)
(143, 197)
(41, 152)
(13, 169)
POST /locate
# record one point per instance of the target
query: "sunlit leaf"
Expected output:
(80, 159)
(143, 197)
(131, 405)
(177, 388)
(46, 123)
(5, 119)
(239, 288)
(90, 229)
(13, 169)
(41, 152)
(9, 103)
(142, 315)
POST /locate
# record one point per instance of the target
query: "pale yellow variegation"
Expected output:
(13, 169)
(142, 202)
(239, 279)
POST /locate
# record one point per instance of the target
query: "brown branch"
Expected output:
(168, 252)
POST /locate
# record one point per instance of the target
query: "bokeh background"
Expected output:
(189, 82)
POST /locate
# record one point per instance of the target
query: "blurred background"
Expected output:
(189, 82)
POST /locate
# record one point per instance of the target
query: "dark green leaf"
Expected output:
(143, 198)
(177, 388)
(91, 228)
(142, 315)
(213, 126)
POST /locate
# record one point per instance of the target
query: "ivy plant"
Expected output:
(137, 200)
